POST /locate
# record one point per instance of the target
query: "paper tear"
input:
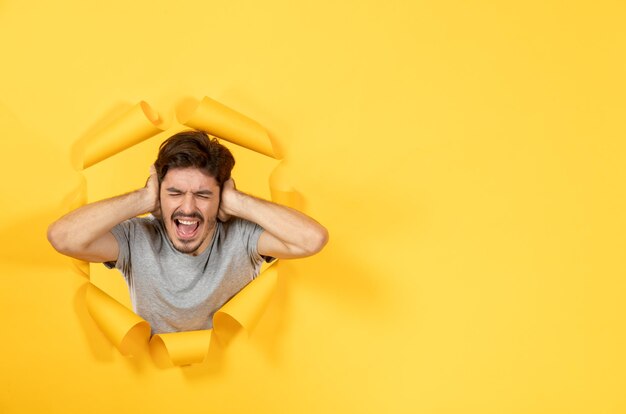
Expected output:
(126, 330)
(139, 123)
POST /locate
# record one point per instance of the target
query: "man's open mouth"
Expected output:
(186, 228)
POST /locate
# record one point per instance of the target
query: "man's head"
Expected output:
(191, 169)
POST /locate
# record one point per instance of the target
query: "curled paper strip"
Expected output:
(180, 348)
(125, 329)
(137, 124)
(225, 123)
(246, 308)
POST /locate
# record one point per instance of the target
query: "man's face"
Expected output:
(190, 201)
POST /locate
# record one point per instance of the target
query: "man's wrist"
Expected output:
(145, 201)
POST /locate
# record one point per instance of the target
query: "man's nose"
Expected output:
(188, 205)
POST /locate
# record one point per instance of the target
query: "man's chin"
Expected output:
(187, 246)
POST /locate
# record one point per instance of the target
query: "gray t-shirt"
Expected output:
(174, 291)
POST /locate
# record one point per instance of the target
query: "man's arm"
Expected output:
(288, 233)
(85, 233)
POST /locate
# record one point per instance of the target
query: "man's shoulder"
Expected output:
(138, 238)
(147, 226)
(238, 225)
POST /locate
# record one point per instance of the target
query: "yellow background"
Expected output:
(468, 159)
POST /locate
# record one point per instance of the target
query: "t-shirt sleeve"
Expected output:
(250, 233)
(123, 233)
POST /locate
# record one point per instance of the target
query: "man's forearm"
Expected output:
(75, 232)
(302, 235)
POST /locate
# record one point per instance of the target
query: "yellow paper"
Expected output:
(180, 348)
(468, 158)
(125, 329)
(225, 123)
(281, 188)
(137, 124)
(246, 308)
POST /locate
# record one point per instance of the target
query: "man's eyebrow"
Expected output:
(204, 192)
(173, 190)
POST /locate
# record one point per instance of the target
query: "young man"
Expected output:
(204, 241)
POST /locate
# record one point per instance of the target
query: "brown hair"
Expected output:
(195, 149)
